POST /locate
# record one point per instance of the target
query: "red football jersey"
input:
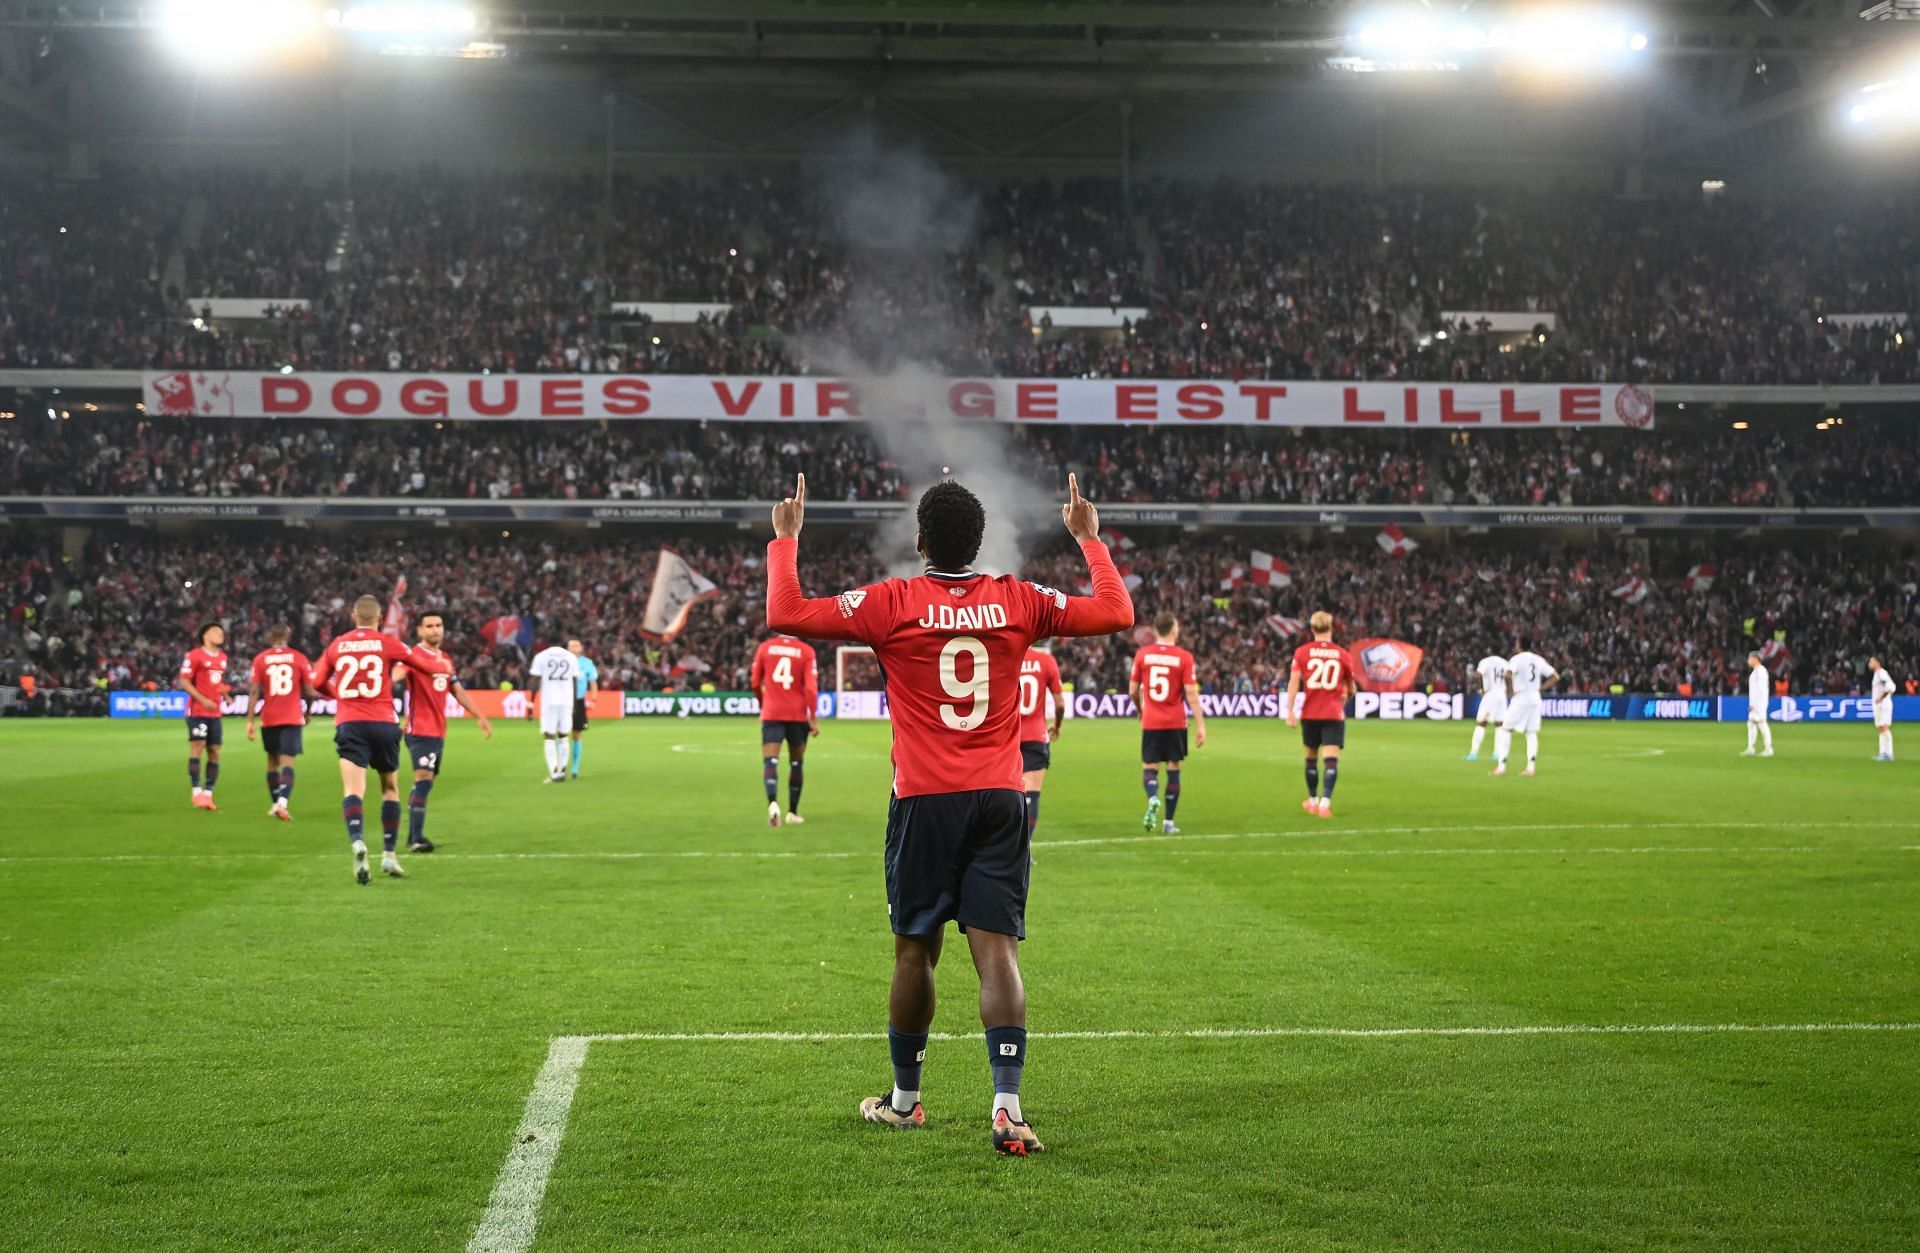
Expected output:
(1164, 672)
(1324, 669)
(430, 679)
(204, 670)
(1039, 677)
(951, 646)
(279, 674)
(786, 679)
(356, 670)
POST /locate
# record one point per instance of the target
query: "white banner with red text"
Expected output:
(707, 398)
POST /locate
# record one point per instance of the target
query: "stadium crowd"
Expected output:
(1692, 464)
(120, 613)
(432, 271)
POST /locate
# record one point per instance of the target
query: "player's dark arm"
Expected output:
(460, 698)
(1059, 694)
(1109, 609)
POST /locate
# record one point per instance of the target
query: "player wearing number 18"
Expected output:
(951, 642)
(786, 680)
(280, 683)
(1325, 672)
(355, 669)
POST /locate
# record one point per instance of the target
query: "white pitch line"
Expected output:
(513, 1208)
(1310, 833)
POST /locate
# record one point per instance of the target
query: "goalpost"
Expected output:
(859, 686)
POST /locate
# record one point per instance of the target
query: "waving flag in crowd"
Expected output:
(1700, 578)
(1394, 542)
(396, 620)
(677, 588)
(1633, 591)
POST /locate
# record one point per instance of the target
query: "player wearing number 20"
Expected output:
(958, 850)
(356, 670)
(786, 680)
(280, 682)
(1325, 672)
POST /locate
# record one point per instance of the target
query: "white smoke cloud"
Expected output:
(900, 221)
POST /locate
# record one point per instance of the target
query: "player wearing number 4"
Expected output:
(427, 694)
(281, 682)
(958, 850)
(786, 680)
(1325, 672)
(1163, 688)
(356, 670)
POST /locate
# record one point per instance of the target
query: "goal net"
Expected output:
(859, 685)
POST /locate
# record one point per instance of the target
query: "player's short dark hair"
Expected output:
(431, 613)
(205, 627)
(1165, 623)
(279, 633)
(952, 522)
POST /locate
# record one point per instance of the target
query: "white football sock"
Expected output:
(553, 757)
(1766, 735)
(903, 1101)
(1886, 743)
(1009, 1101)
(1753, 733)
(1502, 741)
(1479, 735)
(1533, 747)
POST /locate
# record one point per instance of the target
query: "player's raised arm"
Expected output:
(788, 608)
(1109, 609)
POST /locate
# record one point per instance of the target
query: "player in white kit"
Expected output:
(1527, 673)
(1759, 688)
(1882, 707)
(555, 669)
(1492, 672)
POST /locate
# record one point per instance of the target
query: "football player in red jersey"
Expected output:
(281, 683)
(951, 641)
(203, 675)
(1163, 689)
(1039, 681)
(786, 679)
(356, 670)
(426, 729)
(1326, 672)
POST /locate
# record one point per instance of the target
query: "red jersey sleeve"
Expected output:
(1295, 667)
(323, 671)
(812, 663)
(1051, 669)
(257, 672)
(1109, 609)
(860, 615)
(759, 673)
(1139, 668)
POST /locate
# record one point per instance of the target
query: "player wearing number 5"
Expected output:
(356, 670)
(1163, 689)
(786, 680)
(1325, 673)
(281, 682)
(426, 694)
(951, 641)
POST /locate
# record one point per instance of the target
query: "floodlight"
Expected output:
(229, 34)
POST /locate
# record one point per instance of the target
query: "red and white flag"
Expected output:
(1700, 578)
(1580, 573)
(1266, 570)
(396, 621)
(1234, 577)
(677, 587)
(1285, 627)
(1775, 651)
(1633, 591)
(1118, 541)
(1394, 542)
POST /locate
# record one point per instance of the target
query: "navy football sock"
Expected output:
(213, 774)
(354, 812)
(1033, 812)
(1313, 779)
(1006, 1053)
(796, 779)
(273, 784)
(286, 782)
(909, 1051)
(417, 810)
(193, 772)
(1333, 777)
(389, 824)
(1173, 793)
(770, 775)
(1150, 780)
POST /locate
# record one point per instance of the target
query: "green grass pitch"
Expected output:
(211, 1038)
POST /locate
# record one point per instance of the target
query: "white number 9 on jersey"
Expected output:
(974, 686)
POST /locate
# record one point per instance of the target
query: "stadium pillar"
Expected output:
(1126, 156)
